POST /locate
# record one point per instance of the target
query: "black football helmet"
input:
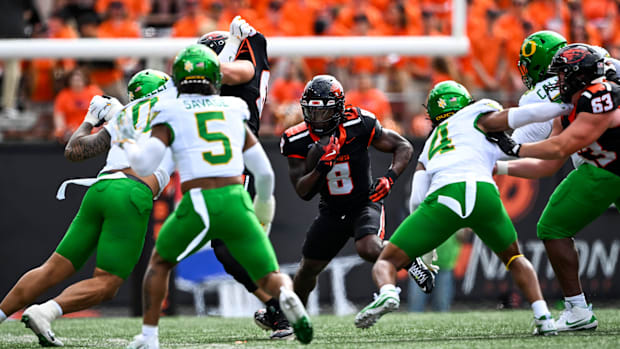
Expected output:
(579, 65)
(214, 40)
(322, 104)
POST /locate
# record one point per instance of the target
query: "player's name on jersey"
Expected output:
(204, 102)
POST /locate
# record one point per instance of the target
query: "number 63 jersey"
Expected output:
(599, 98)
(207, 134)
(457, 150)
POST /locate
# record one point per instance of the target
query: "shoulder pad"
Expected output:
(490, 104)
(596, 89)
(296, 130)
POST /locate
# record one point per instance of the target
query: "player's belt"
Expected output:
(87, 182)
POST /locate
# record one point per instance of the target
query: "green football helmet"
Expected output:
(197, 65)
(445, 99)
(146, 83)
(536, 54)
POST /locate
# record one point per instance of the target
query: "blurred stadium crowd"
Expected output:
(57, 91)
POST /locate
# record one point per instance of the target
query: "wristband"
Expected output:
(391, 175)
(502, 167)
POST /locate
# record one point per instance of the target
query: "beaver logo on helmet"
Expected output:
(322, 103)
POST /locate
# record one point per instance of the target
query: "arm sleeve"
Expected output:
(536, 112)
(145, 156)
(257, 162)
(419, 186)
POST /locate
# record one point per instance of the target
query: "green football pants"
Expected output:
(476, 205)
(583, 195)
(112, 219)
(224, 213)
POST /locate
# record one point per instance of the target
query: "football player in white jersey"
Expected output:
(454, 188)
(112, 219)
(210, 143)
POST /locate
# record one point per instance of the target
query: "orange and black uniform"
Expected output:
(595, 99)
(253, 92)
(344, 210)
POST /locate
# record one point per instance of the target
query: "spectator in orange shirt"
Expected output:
(302, 13)
(366, 96)
(581, 30)
(233, 8)
(273, 24)
(71, 104)
(487, 61)
(109, 76)
(136, 9)
(284, 96)
(193, 23)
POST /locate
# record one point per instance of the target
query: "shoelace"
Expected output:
(418, 273)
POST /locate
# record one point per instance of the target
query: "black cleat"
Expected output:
(275, 321)
(422, 275)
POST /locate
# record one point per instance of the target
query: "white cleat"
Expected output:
(142, 342)
(575, 318)
(295, 312)
(545, 326)
(384, 303)
(40, 323)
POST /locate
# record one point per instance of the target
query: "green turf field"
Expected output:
(487, 329)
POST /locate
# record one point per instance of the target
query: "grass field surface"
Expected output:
(480, 329)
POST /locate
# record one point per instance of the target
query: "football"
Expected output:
(315, 152)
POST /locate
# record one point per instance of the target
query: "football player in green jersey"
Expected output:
(112, 220)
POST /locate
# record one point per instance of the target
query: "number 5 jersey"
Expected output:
(207, 134)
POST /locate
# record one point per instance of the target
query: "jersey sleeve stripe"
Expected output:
(298, 136)
(372, 135)
(296, 156)
(352, 122)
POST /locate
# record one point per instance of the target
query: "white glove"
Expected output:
(124, 128)
(241, 29)
(265, 211)
(102, 108)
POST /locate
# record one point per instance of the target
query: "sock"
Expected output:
(272, 305)
(2, 316)
(387, 288)
(578, 300)
(51, 307)
(149, 331)
(540, 309)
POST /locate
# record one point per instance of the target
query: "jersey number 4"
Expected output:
(440, 143)
(203, 119)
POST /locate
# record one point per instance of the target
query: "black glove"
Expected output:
(505, 143)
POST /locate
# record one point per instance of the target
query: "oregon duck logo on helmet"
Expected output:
(196, 69)
(146, 83)
(445, 99)
(536, 54)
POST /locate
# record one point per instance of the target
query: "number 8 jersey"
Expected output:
(458, 150)
(207, 134)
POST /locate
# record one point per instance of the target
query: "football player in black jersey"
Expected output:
(245, 74)
(328, 154)
(592, 130)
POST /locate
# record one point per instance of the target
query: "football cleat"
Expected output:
(274, 321)
(41, 324)
(545, 326)
(575, 318)
(295, 312)
(384, 303)
(142, 342)
(422, 275)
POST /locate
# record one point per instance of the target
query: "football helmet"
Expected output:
(536, 54)
(445, 99)
(146, 83)
(576, 66)
(214, 40)
(322, 103)
(196, 69)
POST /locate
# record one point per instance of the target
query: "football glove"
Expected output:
(382, 186)
(241, 29)
(265, 211)
(330, 154)
(102, 109)
(505, 143)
